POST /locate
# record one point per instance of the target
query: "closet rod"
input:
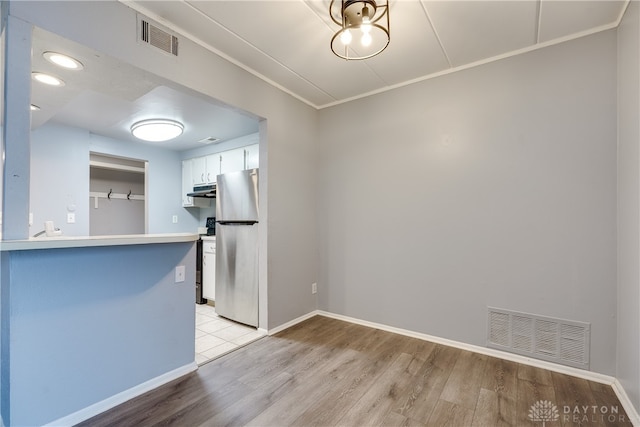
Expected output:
(112, 195)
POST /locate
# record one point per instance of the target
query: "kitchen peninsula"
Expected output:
(108, 316)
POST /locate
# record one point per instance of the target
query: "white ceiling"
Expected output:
(108, 96)
(286, 43)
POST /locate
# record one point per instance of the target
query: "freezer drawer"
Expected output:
(237, 272)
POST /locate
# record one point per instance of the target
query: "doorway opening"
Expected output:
(117, 195)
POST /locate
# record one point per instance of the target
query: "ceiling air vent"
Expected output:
(209, 140)
(557, 340)
(153, 35)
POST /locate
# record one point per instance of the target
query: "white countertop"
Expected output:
(90, 241)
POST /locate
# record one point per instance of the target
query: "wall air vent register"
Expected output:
(561, 341)
(152, 34)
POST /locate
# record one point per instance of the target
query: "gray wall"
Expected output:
(287, 156)
(494, 186)
(628, 348)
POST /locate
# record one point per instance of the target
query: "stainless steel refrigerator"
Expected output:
(237, 246)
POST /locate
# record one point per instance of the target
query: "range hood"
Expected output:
(206, 191)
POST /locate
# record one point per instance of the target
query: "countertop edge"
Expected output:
(93, 241)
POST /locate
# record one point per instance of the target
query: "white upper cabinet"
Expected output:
(232, 160)
(187, 187)
(212, 167)
(204, 170)
(251, 156)
(199, 170)
(187, 183)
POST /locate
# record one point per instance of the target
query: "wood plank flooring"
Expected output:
(326, 372)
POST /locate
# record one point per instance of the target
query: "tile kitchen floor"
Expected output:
(216, 336)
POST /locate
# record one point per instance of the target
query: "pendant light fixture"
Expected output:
(364, 28)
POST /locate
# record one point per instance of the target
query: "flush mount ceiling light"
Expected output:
(63, 61)
(34, 107)
(157, 130)
(47, 79)
(366, 21)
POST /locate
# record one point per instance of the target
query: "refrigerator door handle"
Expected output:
(237, 222)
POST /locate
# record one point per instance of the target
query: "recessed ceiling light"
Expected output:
(47, 79)
(64, 61)
(157, 130)
(34, 107)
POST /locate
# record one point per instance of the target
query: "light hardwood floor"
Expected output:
(326, 372)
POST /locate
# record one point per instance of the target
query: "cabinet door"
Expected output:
(209, 275)
(199, 170)
(213, 168)
(232, 160)
(187, 183)
(251, 156)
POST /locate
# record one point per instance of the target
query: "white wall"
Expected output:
(494, 186)
(628, 334)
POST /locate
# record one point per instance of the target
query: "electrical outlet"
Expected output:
(175, 219)
(71, 218)
(314, 288)
(30, 219)
(180, 273)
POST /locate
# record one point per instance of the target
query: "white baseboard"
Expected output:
(293, 322)
(626, 403)
(113, 401)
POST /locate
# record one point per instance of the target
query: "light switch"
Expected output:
(71, 218)
(180, 273)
